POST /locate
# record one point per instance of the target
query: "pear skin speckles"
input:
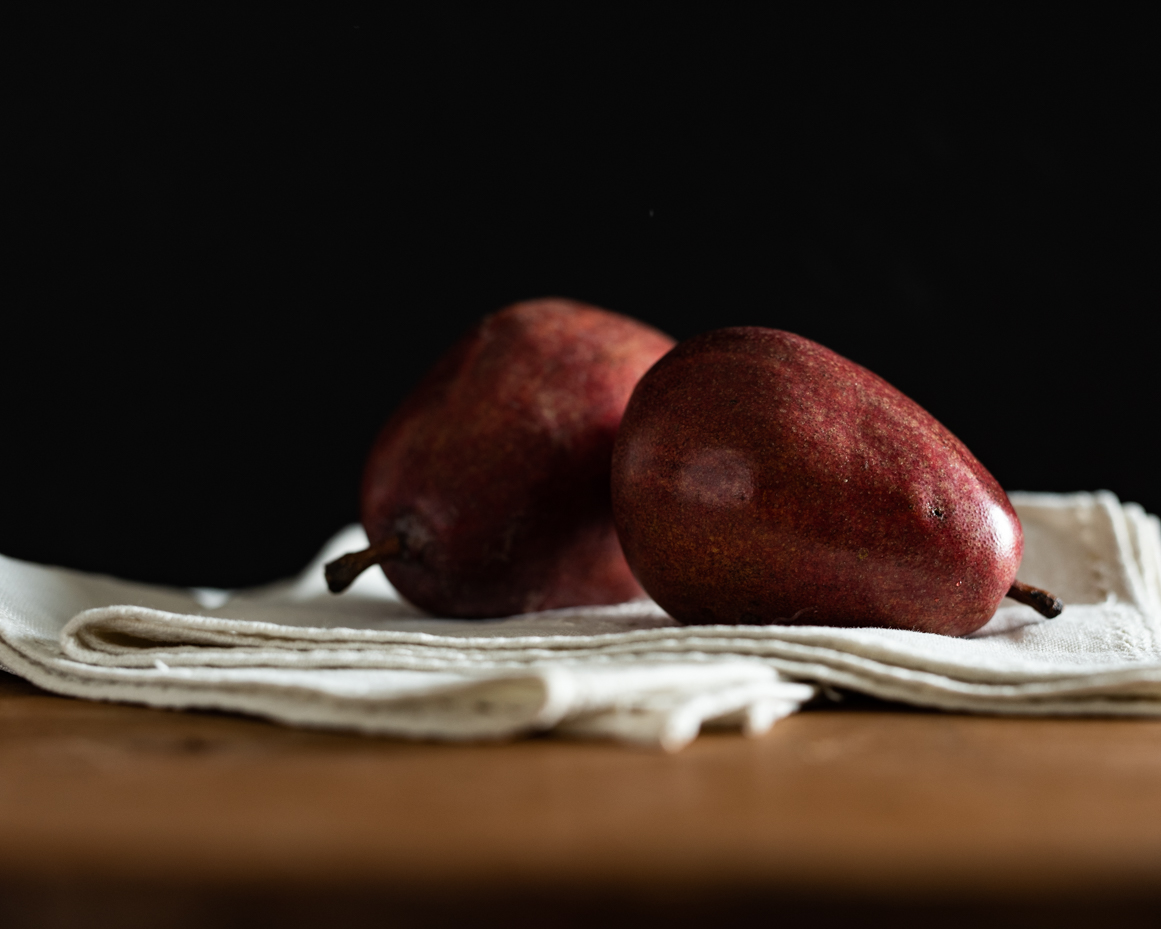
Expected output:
(494, 472)
(760, 477)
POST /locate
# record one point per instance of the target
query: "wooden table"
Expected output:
(867, 814)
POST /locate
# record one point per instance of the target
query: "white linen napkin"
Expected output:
(369, 661)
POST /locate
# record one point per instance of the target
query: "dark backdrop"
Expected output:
(237, 244)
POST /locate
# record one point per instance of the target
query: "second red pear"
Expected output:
(487, 492)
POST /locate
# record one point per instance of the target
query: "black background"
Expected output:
(238, 243)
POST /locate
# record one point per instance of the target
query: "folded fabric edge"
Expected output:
(496, 707)
(1094, 703)
(753, 708)
(799, 661)
(403, 717)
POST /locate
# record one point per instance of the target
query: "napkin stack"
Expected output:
(369, 661)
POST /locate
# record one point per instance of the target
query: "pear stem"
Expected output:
(1043, 602)
(342, 572)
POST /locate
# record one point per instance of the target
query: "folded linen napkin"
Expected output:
(370, 661)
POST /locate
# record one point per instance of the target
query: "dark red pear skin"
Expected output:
(494, 473)
(759, 477)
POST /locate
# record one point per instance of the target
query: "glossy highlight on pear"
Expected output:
(487, 492)
(759, 477)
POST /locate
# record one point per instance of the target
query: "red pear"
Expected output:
(487, 492)
(759, 477)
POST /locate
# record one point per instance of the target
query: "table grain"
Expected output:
(121, 815)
